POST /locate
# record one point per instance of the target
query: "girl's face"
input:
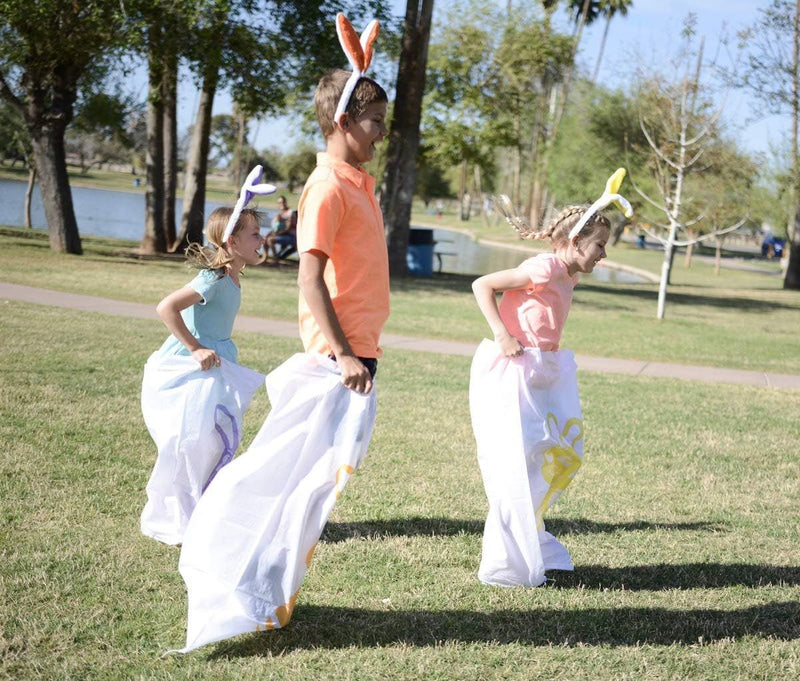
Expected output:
(585, 252)
(247, 244)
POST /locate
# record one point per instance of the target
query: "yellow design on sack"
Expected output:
(561, 462)
(343, 470)
(283, 613)
(310, 555)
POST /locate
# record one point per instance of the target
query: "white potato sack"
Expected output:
(251, 538)
(195, 419)
(528, 427)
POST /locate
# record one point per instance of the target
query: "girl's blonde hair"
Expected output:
(558, 228)
(217, 257)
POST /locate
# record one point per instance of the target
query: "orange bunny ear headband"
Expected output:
(359, 54)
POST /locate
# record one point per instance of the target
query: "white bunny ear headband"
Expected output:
(610, 195)
(359, 54)
(250, 188)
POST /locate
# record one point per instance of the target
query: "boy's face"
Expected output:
(363, 133)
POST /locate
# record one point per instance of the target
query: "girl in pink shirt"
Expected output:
(524, 402)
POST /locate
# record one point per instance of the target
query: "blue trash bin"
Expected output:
(419, 255)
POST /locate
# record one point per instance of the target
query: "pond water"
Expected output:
(460, 254)
(118, 214)
(99, 212)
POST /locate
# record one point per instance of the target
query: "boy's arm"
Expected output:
(486, 289)
(311, 282)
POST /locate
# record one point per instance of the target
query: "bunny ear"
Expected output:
(359, 54)
(263, 189)
(609, 196)
(368, 37)
(249, 189)
(348, 39)
(615, 181)
(624, 205)
(253, 176)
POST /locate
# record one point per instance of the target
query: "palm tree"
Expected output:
(609, 9)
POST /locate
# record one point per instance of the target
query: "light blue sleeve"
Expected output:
(205, 283)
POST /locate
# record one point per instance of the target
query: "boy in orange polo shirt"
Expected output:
(344, 266)
(254, 530)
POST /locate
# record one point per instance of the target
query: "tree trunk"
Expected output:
(194, 196)
(462, 192)
(29, 195)
(400, 175)
(718, 257)
(479, 191)
(602, 50)
(618, 230)
(666, 266)
(542, 151)
(170, 131)
(240, 121)
(51, 164)
(154, 239)
(538, 201)
(791, 279)
(687, 262)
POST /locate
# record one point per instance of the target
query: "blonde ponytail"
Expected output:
(215, 256)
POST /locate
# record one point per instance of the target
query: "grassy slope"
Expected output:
(739, 319)
(683, 526)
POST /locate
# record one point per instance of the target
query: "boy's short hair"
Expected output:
(329, 90)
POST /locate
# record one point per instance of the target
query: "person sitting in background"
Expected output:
(284, 231)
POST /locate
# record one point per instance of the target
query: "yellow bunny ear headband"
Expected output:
(250, 188)
(610, 195)
(359, 54)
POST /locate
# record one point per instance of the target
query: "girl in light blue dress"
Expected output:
(201, 314)
(194, 394)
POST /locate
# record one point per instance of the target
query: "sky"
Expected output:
(653, 27)
(647, 35)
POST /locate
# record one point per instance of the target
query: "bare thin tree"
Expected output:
(678, 127)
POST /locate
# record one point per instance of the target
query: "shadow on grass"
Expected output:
(648, 292)
(664, 577)
(33, 238)
(688, 299)
(328, 627)
(457, 283)
(421, 526)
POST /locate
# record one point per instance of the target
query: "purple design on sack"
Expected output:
(229, 444)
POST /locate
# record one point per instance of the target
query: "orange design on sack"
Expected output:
(349, 470)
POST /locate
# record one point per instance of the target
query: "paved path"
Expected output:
(629, 367)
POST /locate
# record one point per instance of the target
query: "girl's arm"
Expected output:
(169, 310)
(486, 289)
(311, 282)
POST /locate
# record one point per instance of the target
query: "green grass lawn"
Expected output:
(738, 319)
(683, 522)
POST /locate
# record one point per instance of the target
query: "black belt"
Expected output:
(370, 362)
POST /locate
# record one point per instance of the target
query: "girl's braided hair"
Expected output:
(558, 228)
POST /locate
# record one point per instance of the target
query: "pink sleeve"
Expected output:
(539, 270)
(320, 215)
